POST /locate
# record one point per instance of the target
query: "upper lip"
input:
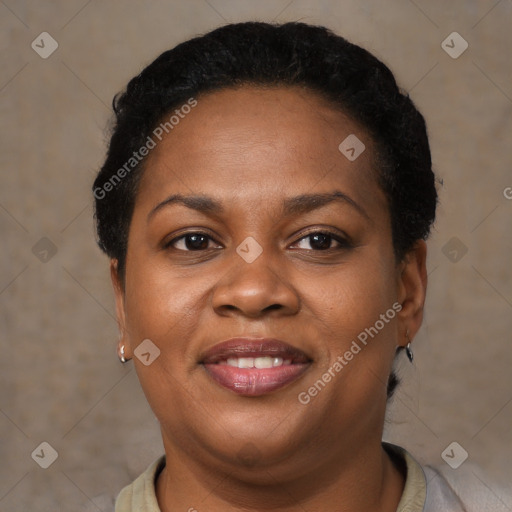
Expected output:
(253, 347)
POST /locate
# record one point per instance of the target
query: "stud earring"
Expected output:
(408, 349)
(121, 356)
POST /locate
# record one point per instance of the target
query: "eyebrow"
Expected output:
(293, 205)
(203, 204)
(307, 202)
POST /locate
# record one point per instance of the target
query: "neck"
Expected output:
(365, 480)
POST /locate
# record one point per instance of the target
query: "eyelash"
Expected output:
(343, 242)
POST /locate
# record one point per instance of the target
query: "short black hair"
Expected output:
(264, 54)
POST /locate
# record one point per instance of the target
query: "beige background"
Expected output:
(60, 380)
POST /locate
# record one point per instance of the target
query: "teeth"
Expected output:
(245, 362)
(257, 362)
(263, 362)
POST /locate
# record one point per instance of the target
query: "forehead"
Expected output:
(249, 142)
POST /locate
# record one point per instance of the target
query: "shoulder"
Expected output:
(140, 495)
(463, 485)
(440, 494)
(446, 489)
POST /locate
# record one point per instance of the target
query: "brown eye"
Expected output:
(192, 242)
(196, 242)
(321, 241)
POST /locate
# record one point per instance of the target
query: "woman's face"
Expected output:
(251, 223)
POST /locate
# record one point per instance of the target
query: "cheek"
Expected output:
(359, 343)
(161, 306)
(168, 311)
(351, 297)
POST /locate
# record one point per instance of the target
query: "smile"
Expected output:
(256, 362)
(254, 367)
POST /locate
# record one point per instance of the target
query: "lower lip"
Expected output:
(252, 381)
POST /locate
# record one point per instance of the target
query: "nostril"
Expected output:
(273, 306)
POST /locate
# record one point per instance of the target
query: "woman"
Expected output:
(265, 203)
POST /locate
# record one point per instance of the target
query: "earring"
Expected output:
(121, 357)
(408, 349)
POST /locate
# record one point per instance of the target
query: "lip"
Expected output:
(254, 381)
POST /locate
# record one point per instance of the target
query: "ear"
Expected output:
(412, 288)
(118, 287)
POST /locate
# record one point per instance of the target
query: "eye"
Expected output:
(193, 242)
(321, 241)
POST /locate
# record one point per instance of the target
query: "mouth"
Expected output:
(254, 366)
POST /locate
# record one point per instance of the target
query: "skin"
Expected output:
(250, 149)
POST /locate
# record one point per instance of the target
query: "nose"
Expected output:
(255, 289)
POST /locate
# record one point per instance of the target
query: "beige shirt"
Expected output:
(417, 496)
